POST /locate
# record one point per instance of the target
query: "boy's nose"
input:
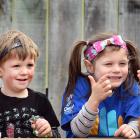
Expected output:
(23, 70)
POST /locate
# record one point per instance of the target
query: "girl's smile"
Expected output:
(113, 63)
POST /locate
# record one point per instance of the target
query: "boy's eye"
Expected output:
(30, 65)
(16, 66)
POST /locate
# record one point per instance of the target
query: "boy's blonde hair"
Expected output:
(16, 43)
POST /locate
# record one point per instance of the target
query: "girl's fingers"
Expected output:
(138, 74)
(132, 136)
(92, 80)
(106, 85)
(129, 134)
(103, 79)
(120, 130)
(109, 93)
(138, 71)
(117, 133)
(125, 131)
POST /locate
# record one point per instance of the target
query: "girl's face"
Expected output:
(114, 64)
(17, 74)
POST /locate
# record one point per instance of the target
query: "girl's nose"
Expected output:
(116, 68)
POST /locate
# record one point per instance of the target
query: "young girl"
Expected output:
(23, 112)
(107, 102)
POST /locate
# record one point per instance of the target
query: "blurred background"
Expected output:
(56, 24)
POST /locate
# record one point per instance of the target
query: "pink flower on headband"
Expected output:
(98, 46)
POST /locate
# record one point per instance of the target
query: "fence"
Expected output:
(56, 24)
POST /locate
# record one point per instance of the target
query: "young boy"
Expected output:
(23, 112)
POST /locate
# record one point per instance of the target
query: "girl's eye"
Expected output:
(108, 64)
(123, 63)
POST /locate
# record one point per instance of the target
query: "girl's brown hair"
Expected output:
(75, 62)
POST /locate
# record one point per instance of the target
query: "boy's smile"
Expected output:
(17, 74)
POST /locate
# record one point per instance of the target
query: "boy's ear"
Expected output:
(89, 66)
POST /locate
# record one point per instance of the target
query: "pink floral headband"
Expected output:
(99, 46)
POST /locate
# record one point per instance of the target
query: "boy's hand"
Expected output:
(42, 127)
(125, 131)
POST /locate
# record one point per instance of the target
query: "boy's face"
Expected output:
(17, 74)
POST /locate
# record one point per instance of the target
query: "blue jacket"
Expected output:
(113, 112)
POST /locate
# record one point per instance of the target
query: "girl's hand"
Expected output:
(101, 89)
(125, 131)
(42, 127)
(138, 74)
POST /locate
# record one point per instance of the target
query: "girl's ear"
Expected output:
(89, 66)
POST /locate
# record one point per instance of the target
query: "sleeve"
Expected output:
(55, 133)
(132, 104)
(134, 123)
(48, 113)
(83, 122)
(74, 103)
(132, 108)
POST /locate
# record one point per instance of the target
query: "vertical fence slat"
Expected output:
(64, 29)
(129, 17)
(29, 17)
(100, 16)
